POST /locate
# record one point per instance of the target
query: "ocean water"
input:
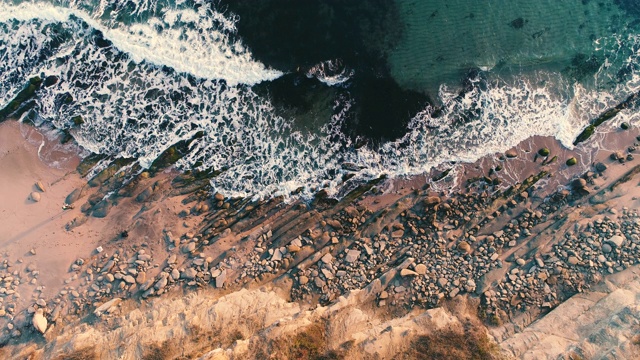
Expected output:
(294, 97)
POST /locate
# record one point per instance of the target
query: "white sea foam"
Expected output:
(136, 108)
(331, 72)
(194, 42)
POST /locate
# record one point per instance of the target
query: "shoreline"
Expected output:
(180, 237)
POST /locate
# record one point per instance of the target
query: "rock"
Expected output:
(520, 262)
(101, 209)
(571, 161)
(41, 303)
(189, 274)
(109, 277)
(73, 196)
(464, 247)
(616, 240)
(625, 126)
(141, 277)
(544, 152)
(606, 248)
(511, 153)
(220, 279)
(454, 292)
(106, 307)
(144, 257)
(327, 274)
(161, 283)
(352, 255)
(573, 260)
(189, 248)
(128, 279)
(407, 272)
(172, 259)
(579, 183)
(277, 255)
(443, 282)
(421, 269)
(293, 248)
(40, 186)
(319, 283)
(35, 196)
(39, 321)
(145, 194)
(198, 262)
(99, 249)
(327, 258)
(218, 197)
(616, 155)
(303, 280)
(175, 274)
(542, 276)
(432, 200)
(600, 167)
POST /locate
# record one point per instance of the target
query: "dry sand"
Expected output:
(26, 224)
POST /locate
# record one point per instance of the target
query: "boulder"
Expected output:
(277, 255)
(616, 240)
(161, 283)
(407, 272)
(352, 255)
(189, 274)
(464, 247)
(40, 186)
(303, 280)
(421, 269)
(220, 279)
(141, 278)
(101, 209)
(432, 200)
(511, 153)
(579, 183)
(189, 248)
(544, 152)
(39, 321)
(73, 196)
(35, 196)
(175, 274)
(107, 306)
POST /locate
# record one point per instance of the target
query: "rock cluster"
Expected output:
(603, 246)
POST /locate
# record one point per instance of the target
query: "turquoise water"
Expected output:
(444, 39)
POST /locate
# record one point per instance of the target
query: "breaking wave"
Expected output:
(167, 72)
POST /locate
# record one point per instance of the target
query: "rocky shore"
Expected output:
(497, 244)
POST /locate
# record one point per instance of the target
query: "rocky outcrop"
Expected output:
(594, 325)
